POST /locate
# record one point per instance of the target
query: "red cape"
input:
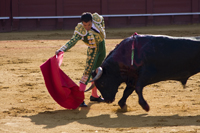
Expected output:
(62, 89)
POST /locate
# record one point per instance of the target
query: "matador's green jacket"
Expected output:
(94, 39)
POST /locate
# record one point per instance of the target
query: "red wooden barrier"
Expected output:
(5, 15)
(20, 12)
(34, 8)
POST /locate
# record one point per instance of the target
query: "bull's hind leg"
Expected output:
(127, 92)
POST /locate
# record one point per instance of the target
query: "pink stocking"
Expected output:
(82, 87)
(94, 92)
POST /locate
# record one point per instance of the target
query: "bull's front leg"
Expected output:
(142, 102)
(127, 92)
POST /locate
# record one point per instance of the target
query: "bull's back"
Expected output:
(173, 50)
(169, 57)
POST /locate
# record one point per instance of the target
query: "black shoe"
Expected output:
(99, 99)
(83, 104)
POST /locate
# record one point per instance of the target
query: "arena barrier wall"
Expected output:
(61, 14)
(5, 15)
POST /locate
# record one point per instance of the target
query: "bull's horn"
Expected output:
(90, 88)
(99, 73)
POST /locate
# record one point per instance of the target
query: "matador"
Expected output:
(91, 30)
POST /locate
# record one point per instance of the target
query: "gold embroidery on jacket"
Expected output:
(97, 18)
(80, 30)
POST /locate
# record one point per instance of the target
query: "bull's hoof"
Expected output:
(121, 104)
(146, 107)
(123, 107)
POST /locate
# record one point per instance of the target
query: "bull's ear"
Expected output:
(94, 73)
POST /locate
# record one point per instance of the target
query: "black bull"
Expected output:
(156, 58)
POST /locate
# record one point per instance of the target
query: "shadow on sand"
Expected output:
(52, 119)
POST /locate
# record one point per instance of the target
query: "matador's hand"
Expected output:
(58, 51)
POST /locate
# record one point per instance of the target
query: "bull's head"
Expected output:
(106, 83)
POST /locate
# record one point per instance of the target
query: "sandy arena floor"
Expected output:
(27, 107)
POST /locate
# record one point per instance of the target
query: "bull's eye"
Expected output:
(102, 84)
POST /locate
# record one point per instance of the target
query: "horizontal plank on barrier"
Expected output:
(4, 17)
(154, 14)
(114, 15)
(45, 17)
